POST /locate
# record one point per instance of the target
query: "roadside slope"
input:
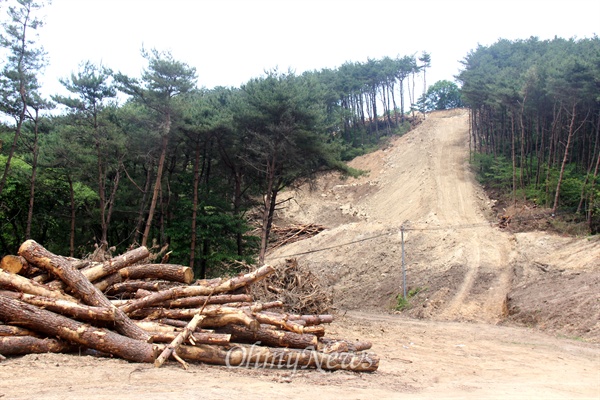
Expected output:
(461, 265)
(421, 181)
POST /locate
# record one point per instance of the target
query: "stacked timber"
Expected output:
(150, 313)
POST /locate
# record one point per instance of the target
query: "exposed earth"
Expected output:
(493, 313)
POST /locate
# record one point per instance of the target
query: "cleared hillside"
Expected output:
(462, 264)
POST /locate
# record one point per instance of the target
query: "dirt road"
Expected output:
(458, 337)
(419, 360)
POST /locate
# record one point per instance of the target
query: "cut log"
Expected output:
(113, 265)
(141, 293)
(312, 319)
(270, 337)
(79, 284)
(13, 264)
(227, 319)
(162, 272)
(188, 291)
(179, 340)
(281, 322)
(256, 307)
(194, 301)
(95, 271)
(18, 313)
(168, 272)
(131, 287)
(25, 285)
(214, 310)
(221, 339)
(22, 345)
(10, 330)
(327, 345)
(266, 357)
(67, 308)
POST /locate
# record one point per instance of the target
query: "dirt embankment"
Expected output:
(461, 266)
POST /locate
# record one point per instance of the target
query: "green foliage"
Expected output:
(494, 172)
(402, 302)
(442, 95)
(535, 103)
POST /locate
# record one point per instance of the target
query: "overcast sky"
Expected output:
(230, 42)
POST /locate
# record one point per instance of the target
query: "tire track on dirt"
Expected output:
(421, 180)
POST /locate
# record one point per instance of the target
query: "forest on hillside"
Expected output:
(535, 122)
(157, 160)
(176, 164)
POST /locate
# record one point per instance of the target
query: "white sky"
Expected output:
(230, 42)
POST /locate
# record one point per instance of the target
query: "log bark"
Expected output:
(178, 341)
(10, 330)
(95, 271)
(216, 311)
(266, 357)
(220, 339)
(161, 272)
(306, 320)
(67, 308)
(215, 322)
(312, 319)
(163, 333)
(168, 272)
(131, 287)
(194, 301)
(22, 345)
(327, 345)
(270, 337)
(115, 264)
(281, 322)
(18, 313)
(25, 285)
(227, 319)
(188, 291)
(80, 285)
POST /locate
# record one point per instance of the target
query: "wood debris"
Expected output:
(213, 321)
(300, 290)
(293, 233)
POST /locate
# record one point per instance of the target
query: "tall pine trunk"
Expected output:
(157, 184)
(268, 209)
(195, 204)
(73, 209)
(565, 159)
(34, 164)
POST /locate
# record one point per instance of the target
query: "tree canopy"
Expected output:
(535, 109)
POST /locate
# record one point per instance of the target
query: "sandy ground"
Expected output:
(497, 314)
(419, 359)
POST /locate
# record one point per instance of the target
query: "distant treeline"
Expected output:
(535, 120)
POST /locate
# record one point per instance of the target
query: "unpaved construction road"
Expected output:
(498, 314)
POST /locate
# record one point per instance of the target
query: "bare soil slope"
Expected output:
(462, 265)
(467, 270)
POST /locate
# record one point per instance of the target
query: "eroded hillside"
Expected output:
(461, 264)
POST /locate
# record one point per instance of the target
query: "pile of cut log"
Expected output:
(152, 312)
